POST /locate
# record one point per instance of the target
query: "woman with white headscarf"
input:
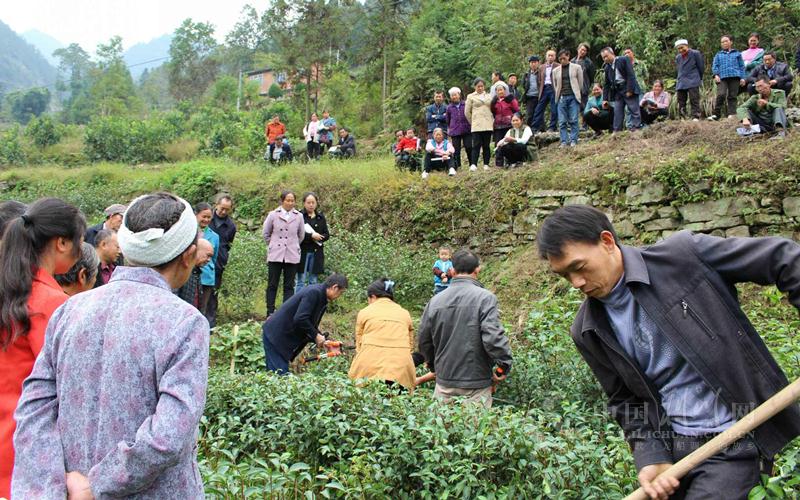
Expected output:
(113, 404)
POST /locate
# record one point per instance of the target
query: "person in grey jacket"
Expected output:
(664, 333)
(461, 337)
(690, 65)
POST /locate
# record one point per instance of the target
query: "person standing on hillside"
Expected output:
(222, 224)
(311, 136)
(114, 402)
(284, 229)
(478, 112)
(272, 131)
(296, 324)
(462, 339)
(663, 331)
(327, 131)
(530, 87)
(690, 66)
(621, 88)
(513, 90)
(728, 71)
(458, 127)
(589, 70)
(568, 80)
(547, 94)
(436, 114)
(312, 248)
(753, 55)
(208, 272)
(113, 220)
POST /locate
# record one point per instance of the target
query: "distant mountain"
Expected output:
(45, 43)
(154, 50)
(21, 64)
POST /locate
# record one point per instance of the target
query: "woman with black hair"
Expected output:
(312, 254)
(384, 339)
(284, 229)
(113, 404)
(43, 241)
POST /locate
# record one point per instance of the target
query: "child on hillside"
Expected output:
(442, 271)
(408, 151)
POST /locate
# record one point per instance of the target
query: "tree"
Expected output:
(275, 91)
(193, 65)
(27, 104)
(75, 72)
(112, 91)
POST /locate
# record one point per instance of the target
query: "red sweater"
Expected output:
(406, 143)
(503, 111)
(16, 363)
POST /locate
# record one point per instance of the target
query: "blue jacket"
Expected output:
(690, 70)
(296, 322)
(728, 64)
(625, 66)
(208, 275)
(435, 117)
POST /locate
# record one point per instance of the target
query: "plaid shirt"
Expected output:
(728, 64)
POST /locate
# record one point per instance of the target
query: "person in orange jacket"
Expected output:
(273, 129)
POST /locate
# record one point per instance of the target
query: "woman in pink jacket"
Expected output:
(284, 229)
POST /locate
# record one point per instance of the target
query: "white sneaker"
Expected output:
(452, 172)
(486, 168)
(712, 118)
(695, 119)
(473, 168)
(424, 175)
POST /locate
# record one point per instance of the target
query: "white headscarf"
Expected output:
(153, 247)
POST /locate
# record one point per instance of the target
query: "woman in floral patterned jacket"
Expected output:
(113, 404)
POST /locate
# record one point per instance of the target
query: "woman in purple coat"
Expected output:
(458, 128)
(113, 404)
(284, 229)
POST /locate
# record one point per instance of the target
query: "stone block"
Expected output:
(525, 223)
(645, 194)
(625, 229)
(718, 232)
(738, 232)
(502, 250)
(717, 223)
(546, 202)
(640, 217)
(552, 193)
(764, 219)
(668, 213)
(791, 206)
(465, 223)
(577, 200)
(703, 186)
(501, 228)
(708, 210)
(660, 225)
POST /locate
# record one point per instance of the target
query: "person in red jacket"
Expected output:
(408, 151)
(44, 241)
(503, 107)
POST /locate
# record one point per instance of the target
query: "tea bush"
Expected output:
(128, 140)
(44, 131)
(11, 152)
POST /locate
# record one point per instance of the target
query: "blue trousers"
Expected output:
(632, 104)
(568, 112)
(305, 273)
(275, 362)
(548, 97)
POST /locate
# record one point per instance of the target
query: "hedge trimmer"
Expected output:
(333, 348)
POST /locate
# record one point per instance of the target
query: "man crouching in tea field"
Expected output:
(113, 404)
(664, 333)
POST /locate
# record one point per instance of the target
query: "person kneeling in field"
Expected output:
(296, 323)
(664, 333)
(384, 339)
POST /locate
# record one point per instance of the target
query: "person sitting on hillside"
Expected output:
(113, 221)
(435, 114)
(408, 151)
(191, 291)
(438, 151)
(282, 150)
(655, 104)
(107, 248)
(83, 274)
(778, 74)
(384, 339)
(517, 146)
(598, 114)
(286, 332)
(766, 110)
(346, 148)
(503, 107)
(398, 136)
(274, 131)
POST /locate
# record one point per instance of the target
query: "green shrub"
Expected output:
(128, 140)
(194, 182)
(245, 277)
(44, 131)
(11, 152)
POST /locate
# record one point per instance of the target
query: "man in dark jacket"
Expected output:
(113, 221)
(461, 337)
(222, 224)
(621, 89)
(107, 248)
(690, 65)
(778, 73)
(530, 89)
(664, 333)
(435, 114)
(296, 323)
(346, 147)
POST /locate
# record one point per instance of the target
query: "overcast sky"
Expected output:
(89, 22)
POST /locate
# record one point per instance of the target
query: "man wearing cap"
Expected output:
(690, 65)
(113, 404)
(113, 221)
(530, 87)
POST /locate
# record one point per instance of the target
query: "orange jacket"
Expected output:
(273, 130)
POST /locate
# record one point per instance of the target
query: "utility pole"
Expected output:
(239, 93)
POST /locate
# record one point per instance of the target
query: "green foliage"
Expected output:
(27, 104)
(128, 140)
(112, 92)
(193, 64)
(195, 182)
(44, 131)
(275, 91)
(11, 152)
(245, 277)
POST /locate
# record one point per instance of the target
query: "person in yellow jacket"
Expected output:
(384, 339)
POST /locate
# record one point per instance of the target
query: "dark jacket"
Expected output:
(610, 90)
(690, 70)
(526, 82)
(308, 245)
(226, 229)
(435, 117)
(296, 322)
(348, 144)
(797, 59)
(461, 336)
(686, 284)
(91, 233)
(782, 74)
(589, 70)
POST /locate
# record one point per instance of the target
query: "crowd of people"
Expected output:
(482, 123)
(318, 135)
